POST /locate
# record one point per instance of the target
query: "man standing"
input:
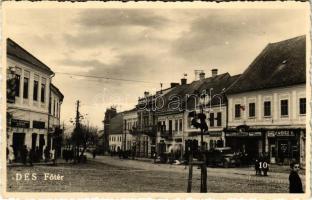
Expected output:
(295, 185)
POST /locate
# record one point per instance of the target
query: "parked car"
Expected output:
(222, 157)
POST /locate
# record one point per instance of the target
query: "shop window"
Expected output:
(267, 108)
(302, 102)
(252, 109)
(237, 111)
(284, 107)
(211, 119)
(219, 119)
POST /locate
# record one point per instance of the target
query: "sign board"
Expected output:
(244, 134)
(215, 133)
(38, 124)
(19, 123)
(281, 133)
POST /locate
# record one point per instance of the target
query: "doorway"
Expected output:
(18, 143)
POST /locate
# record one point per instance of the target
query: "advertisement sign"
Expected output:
(19, 123)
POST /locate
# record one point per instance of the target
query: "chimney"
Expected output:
(214, 72)
(183, 81)
(172, 85)
(202, 76)
(146, 94)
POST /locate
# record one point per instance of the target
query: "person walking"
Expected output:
(295, 184)
(10, 154)
(53, 158)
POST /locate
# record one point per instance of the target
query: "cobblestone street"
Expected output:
(107, 174)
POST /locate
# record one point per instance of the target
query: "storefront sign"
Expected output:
(215, 133)
(19, 123)
(244, 134)
(38, 124)
(281, 133)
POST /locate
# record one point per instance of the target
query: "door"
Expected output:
(272, 153)
(18, 143)
(41, 144)
(170, 127)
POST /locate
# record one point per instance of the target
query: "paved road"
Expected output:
(233, 173)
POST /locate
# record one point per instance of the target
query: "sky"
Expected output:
(151, 46)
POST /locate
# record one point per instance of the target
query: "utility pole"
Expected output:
(77, 115)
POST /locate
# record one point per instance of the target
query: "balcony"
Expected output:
(148, 130)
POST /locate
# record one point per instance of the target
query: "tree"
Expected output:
(83, 137)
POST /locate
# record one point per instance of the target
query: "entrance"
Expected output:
(18, 143)
(272, 154)
(41, 144)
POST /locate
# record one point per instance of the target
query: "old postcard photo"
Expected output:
(159, 98)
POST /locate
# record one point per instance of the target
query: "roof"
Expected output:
(115, 126)
(280, 64)
(57, 91)
(16, 51)
(195, 88)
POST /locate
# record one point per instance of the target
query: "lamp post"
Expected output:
(202, 103)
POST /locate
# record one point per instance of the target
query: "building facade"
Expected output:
(130, 124)
(28, 109)
(267, 104)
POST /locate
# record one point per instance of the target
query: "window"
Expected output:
(57, 109)
(50, 106)
(43, 86)
(237, 111)
(180, 125)
(36, 87)
(211, 119)
(54, 107)
(267, 108)
(17, 82)
(176, 124)
(284, 107)
(252, 111)
(219, 118)
(25, 92)
(302, 104)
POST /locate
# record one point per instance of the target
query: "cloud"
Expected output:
(99, 18)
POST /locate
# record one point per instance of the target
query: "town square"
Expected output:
(157, 100)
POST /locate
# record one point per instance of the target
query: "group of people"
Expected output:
(30, 155)
(262, 166)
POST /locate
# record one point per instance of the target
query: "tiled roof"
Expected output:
(196, 87)
(18, 52)
(280, 64)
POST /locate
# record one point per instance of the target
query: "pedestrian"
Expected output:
(31, 156)
(257, 167)
(53, 158)
(46, 154)
(295, 184)
(94, 153)
(155, 157)
(11, 154)
(24, 154)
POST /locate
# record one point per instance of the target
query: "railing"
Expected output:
(166, 134)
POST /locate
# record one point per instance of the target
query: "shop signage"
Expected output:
(281, 133)
(215, 133)
(244, 134)
(38, 124)
(19, 123)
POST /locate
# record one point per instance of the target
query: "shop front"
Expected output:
(284, 145)
(250, 144)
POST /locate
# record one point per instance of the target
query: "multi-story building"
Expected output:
(29, 121)
(267, 104)
(175, 130)
(109, 114)
(130, 123)
(116, 132)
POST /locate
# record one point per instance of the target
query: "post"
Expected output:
(203, 183)
(189, 183)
